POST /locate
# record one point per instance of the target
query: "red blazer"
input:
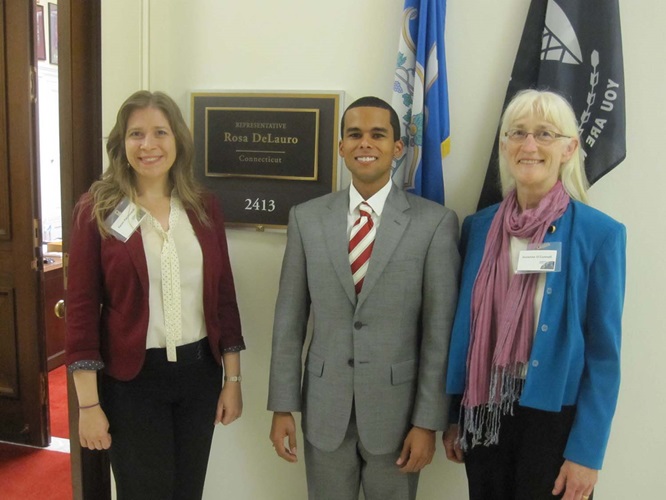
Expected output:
(107, 293)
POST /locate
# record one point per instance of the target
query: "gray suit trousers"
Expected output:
(339, 474)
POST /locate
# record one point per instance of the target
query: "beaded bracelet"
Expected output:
(88, 406)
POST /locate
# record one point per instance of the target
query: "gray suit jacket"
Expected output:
(385, 350)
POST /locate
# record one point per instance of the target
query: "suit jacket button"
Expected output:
(358, 325)
(350, 362)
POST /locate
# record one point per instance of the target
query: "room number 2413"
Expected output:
(259, 205)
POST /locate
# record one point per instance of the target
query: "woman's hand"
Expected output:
(229, 404)
(94, 429)
(452, 445)
(576, 481)
(93, 424)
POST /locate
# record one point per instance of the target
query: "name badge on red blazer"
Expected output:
(124, 219)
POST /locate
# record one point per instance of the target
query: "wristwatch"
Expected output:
(235, 378)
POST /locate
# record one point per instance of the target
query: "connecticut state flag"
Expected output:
(573, 47)
(420, 96)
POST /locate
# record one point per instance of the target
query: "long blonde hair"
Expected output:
(119, 178)
(554, 109)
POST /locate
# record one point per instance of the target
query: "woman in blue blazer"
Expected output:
(535, 350)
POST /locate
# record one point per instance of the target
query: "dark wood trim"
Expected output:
(80, 82)
(80, 89)
(5, 213)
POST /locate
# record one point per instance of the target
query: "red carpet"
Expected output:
(58, 402)
(37, 474)
(34, 474)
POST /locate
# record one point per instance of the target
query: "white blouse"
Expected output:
(175, 273)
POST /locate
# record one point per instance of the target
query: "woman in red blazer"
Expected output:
(151, 304)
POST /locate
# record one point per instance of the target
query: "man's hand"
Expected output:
(576, 481)
(417, 450)
(452, 445)
(284, 427)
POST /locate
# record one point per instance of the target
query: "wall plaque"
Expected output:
(261, 153)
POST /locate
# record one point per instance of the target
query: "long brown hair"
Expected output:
(119, 178)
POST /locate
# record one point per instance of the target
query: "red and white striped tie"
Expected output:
(361, 241)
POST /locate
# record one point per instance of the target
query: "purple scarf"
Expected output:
(502, 323)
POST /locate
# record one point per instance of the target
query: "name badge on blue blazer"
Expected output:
(540, 258)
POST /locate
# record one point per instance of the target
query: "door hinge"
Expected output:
(35, 243)
(33, 84)
(35, 234)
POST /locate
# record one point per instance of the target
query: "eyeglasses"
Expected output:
(543, 137)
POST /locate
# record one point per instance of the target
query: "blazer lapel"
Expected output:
(207, 242)
(394, 222)
(335, 231)
(134, 247)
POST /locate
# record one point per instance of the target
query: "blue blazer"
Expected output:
(575, 358)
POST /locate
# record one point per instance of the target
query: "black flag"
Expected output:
(573, 47)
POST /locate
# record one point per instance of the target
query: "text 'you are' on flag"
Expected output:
(574, 48)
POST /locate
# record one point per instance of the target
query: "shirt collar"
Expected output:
(376, 201)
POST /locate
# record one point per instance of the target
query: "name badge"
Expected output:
(124, 219)
(540, 258)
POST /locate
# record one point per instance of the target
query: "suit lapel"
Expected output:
(394, 222)
(335, 230)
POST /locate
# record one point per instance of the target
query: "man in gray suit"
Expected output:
(373, 387)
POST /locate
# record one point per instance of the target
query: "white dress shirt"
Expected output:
(376, 202)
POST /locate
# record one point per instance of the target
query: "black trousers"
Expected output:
(161, 424)
(527, 459)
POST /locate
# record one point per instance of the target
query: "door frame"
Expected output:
(80, 95)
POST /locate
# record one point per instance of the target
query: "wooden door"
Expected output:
(23, 375)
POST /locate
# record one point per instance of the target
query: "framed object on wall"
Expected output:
(263, 152)
(53, 33)
(40, 41)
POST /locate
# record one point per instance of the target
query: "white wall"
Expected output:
(181, 46)
(49, 141)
